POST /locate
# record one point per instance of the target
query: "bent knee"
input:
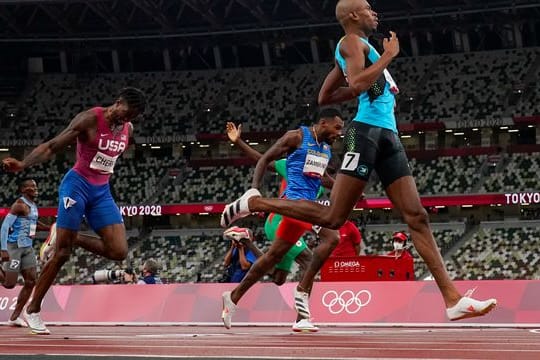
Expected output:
(118, 254)
(335, 224)
(331, 221)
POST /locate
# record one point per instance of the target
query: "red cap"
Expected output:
(400, 236)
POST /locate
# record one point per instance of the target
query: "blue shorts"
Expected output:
(79, 198)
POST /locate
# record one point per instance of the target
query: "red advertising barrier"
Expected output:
(399, 302)
(368, 268)
(370, 203)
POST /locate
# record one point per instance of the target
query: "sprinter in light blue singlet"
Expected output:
(17, 239)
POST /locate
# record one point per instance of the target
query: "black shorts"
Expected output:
(368, 148)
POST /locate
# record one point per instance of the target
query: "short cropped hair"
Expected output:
(152, 266)
(329, 113)
(134, 98)
(23, 182)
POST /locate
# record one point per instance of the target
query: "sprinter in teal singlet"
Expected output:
(371, 144)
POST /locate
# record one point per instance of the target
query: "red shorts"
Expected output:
(291, 229)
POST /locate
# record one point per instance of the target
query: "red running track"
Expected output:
(275, 342)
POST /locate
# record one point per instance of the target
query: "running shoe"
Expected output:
(228, 309)
(301, 303)
(35, 324)
(304, 325)
(238, 208)
(47, 248)
(18, 322)
(237, 233)
(468, 307)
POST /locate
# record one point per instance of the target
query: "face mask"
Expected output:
(398, 245)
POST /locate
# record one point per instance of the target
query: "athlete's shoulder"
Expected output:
(352, 43)
(19, 207)
(293, 137)
(129, 125)
(85, 119)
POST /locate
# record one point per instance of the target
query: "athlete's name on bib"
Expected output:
(319, 164)
(315, 163)
(103, 163)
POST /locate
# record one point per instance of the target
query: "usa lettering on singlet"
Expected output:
(96, 159)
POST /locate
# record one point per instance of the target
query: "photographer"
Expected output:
(126, 276)
(150, 270)
(239, 257)
(149, 275)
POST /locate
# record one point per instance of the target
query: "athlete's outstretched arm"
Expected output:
(285, 144)
(45, 151)
(234, 132)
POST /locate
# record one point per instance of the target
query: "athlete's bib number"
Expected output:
(350, 161)
(32, 232)
(103, 163)
(315, 165)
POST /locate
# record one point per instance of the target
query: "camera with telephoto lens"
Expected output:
(102, 276)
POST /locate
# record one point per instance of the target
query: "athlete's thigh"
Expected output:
(28, 258)
(13, 266)
(346, 192)
(278, 248)
(72, 198)
(290, 257)
(359, 159)
(102, 211)
(114, 237)
(392, 163)
(291, 230)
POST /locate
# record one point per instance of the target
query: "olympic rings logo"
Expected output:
(347, 301)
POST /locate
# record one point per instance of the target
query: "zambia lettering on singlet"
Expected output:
(315, 163)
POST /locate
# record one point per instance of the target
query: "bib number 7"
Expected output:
(350, 161)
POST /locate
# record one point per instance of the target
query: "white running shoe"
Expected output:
(47, 248)
(237, 233)
(35, 323)
(18, 322)
(238, 208)
(228, 309)
(301, 303)
(304, 325)
(468, 307)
